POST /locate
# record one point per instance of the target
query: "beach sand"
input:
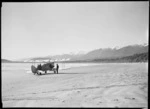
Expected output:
(105, 85)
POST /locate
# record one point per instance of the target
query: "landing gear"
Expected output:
(38, 72)
(55, 71)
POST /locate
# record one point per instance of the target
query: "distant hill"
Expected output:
(5, 61)
(142, 57)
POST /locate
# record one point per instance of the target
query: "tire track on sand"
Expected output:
(12, 97)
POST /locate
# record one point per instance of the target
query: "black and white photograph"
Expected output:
(75, 54)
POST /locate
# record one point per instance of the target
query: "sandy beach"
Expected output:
(105, 85)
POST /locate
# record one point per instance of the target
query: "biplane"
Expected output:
(45, 67)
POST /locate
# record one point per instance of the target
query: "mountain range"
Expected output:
(102, 53)
(110, 53)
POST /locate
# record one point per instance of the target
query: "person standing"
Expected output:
(57, 67)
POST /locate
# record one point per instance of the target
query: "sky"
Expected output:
(32, 29)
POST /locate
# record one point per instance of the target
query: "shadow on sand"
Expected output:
(60, 73)
(70, 73)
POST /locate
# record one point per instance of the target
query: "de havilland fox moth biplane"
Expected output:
(45, 67)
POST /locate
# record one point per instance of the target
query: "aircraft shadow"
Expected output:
(61, 73)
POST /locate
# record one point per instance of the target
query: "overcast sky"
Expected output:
(49, 28)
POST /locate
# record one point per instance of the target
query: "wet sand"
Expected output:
(108, 85)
